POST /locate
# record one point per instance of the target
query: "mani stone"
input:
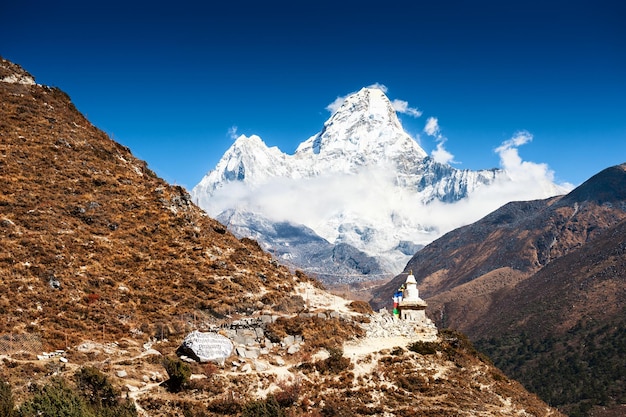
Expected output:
(206, 347)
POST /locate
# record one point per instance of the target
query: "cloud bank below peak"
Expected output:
(371, 199)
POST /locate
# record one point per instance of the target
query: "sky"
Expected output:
(177, 81)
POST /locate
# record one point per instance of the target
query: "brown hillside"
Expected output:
(522, 237)
(93, 241)
(107, 263)
(562, 332)
(539, 285)
(587, 284)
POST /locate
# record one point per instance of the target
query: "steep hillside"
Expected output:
(548, 270)
(93, 241)
(562, 332)
(513, 242)
(105, 268)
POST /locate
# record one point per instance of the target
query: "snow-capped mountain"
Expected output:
(362, 181)
(365, 131)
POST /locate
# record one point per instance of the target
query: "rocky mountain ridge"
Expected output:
(106, 268)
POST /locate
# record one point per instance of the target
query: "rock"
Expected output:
(261, 366)
(246, 337)
(206, 347)
(260, 334)
(246, 368)
(252, 353)
(289, 340)
(241, 351)
(293, 349)
(121, 373)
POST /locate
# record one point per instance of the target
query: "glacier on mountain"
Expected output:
(362, 182)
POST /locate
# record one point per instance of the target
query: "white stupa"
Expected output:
(412, 307)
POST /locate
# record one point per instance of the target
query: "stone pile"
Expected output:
(248, 340)
(384, 324)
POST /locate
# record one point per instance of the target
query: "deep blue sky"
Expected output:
(170, 79)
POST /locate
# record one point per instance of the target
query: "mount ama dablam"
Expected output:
(355, 201)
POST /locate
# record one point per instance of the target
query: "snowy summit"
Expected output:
(361, 181)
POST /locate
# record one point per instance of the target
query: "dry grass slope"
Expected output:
(92, 239)
(103, 259)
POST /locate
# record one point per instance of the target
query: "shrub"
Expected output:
(227, 404)
(179, 373)
(124, 408)
(334, 364)
(335, 407)
(96, 388)
(7, 405)
(268, 407)
(56, 399)
(424, 348)
(289, 392)
(99, 399)
(362, 307)
(104, 399)
(210, 369)
(318, 332)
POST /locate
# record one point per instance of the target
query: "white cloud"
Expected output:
(439, 154)
(520, 138)
(371, 201)
(432, 126)
(528, 180)
(402, 106)
(334, 106)
(513, 164)
(232, 132)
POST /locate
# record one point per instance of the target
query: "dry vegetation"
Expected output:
(93, 242)
(104, 260)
